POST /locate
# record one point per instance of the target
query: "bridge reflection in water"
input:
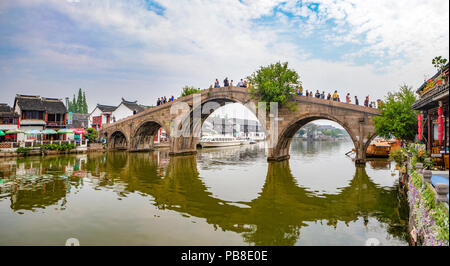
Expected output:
(276, 216)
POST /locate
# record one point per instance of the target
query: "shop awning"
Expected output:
(49, 132)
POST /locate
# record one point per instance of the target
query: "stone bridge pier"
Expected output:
(136, 133)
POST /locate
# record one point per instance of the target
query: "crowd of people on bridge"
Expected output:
(335, 97)
(163, 100)
(226, 83)
(319, 95)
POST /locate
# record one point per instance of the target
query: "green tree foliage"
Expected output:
(439, 62)
(80, 101)
(398, 119)
(188, 90)
(92, 134)
(274, 83)
(85, 106)
(333, 132)
(78, 104)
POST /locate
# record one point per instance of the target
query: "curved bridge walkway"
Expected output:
(136, 133)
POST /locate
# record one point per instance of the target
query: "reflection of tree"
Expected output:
(39, 182)
(274, 218)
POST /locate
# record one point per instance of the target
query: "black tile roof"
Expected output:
(133, 105)
(54, 106)
(106, 108)
(7, 111)
(29, 103)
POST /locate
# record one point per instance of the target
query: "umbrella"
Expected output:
(79, 131)
(14, 131)
(2, 133)
(49, 131)
(65, 130)
(32, 132)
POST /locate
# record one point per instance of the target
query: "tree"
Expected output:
(92, 134)
(398, 119)
(78, 104)
(188, 90)
(80, 101)
(439, 62)
(274, 83)
(85, 106)
(74, 105)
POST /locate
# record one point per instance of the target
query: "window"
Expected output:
(8, 121)
(39, 115)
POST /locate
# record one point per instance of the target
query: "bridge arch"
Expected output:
(144, 134)
(118, 141)
(282, 147)
(210, 104)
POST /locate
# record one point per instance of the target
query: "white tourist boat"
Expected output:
(219, 141)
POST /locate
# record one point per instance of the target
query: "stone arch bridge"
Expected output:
(136, 133)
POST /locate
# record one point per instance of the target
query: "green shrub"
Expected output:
(25, 151)
(398, 156)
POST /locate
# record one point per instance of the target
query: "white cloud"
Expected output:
(195, 42)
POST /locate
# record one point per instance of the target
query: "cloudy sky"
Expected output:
(143, 49)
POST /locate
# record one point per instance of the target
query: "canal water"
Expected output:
(226, 196)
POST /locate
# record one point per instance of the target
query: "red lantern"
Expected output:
(419, 124)
(440, 126)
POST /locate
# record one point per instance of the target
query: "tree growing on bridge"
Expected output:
(274, 83)
(188, 90)
(398, 119)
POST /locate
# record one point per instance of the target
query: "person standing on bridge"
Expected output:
(347, 98)
(216, 84)
(158, 102)
(329, 96)
(356, 100)
(240, 83)
(317, 95)
(231, 83)
(225, 82)
(322, 96)
(335, 96)
(307, 93)
(366, 101)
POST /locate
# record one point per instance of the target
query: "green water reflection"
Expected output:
(277, 215)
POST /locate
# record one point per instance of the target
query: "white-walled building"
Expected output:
(126, 109)
(101, 115)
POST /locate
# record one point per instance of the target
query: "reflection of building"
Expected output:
(433, 107)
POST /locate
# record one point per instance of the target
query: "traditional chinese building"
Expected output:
(55, 113)
(31, 112)
(8, 118)
(101, 115)
(40, 113)
(126, 109)
(433, 116)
